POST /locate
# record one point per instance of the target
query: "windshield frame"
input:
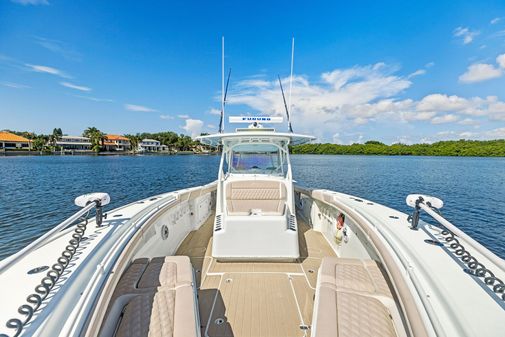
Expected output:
(246, 159)
(280, 156)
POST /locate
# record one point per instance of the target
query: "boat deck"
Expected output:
(255, 298)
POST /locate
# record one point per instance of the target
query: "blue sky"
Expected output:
(389, 71)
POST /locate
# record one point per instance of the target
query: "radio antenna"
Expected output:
(285, 105)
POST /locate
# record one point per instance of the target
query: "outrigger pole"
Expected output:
(291, 79)
(224, 91)
(221, 121)
(288, 106)
(285, 105)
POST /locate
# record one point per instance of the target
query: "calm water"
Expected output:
(36, 193)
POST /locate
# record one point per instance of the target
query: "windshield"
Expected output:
(257, 158)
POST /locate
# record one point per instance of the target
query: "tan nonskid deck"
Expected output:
(255, 298)
(156, 296)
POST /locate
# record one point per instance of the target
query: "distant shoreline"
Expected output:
(14, 153)
(37, 154)
(459, 148)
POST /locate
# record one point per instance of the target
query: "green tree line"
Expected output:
(173, 140)
(181, 142)
(464, 148)
(47, 142)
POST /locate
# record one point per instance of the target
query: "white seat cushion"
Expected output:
(347, 300)
(156, 298)
(166, 313)
(244, 196)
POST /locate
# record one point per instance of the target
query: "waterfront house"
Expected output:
(200, 148)
(116, 143)
(10, 141)
(149, 145)
(74, 143)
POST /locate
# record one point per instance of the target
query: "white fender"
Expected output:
(434, 202)
(85, 199)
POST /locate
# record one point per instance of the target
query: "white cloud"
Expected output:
(466, 34)
(441, 103)
(193, 127)
(417, 73)
(497, 133)
(352, 98)
(469, 122)
(496, 109)
(166, 117)
(75, 86)
(183, 116)
(489, 107)
(403, 140)
(14, 85)
(495, 21)
(498, 34)
(343, 94)
(138, 108)
(429, 64)
(211, 126)
(47, 70)
(480, 72)
(57, 47)
(447, 134)
(214, 111)
(254, 83)
(31, 2)
(336, 138)
(94, 99)
(501, 60)
(445, 119)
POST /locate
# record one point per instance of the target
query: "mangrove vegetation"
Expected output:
(460, 148)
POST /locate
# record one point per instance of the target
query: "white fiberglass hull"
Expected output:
(435, 293)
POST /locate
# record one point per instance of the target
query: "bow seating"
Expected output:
(154, 298)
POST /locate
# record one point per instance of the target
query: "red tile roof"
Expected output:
(115, 137)
(10, 137)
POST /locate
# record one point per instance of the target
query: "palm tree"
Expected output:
(89, 131)
(39, 143)
(96, 137)
(134, 142)
(53, 138)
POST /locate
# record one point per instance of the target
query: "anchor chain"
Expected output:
(47, 283)
(475, 267)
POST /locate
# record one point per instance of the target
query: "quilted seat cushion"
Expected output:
(348, 300)
(149, 315)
